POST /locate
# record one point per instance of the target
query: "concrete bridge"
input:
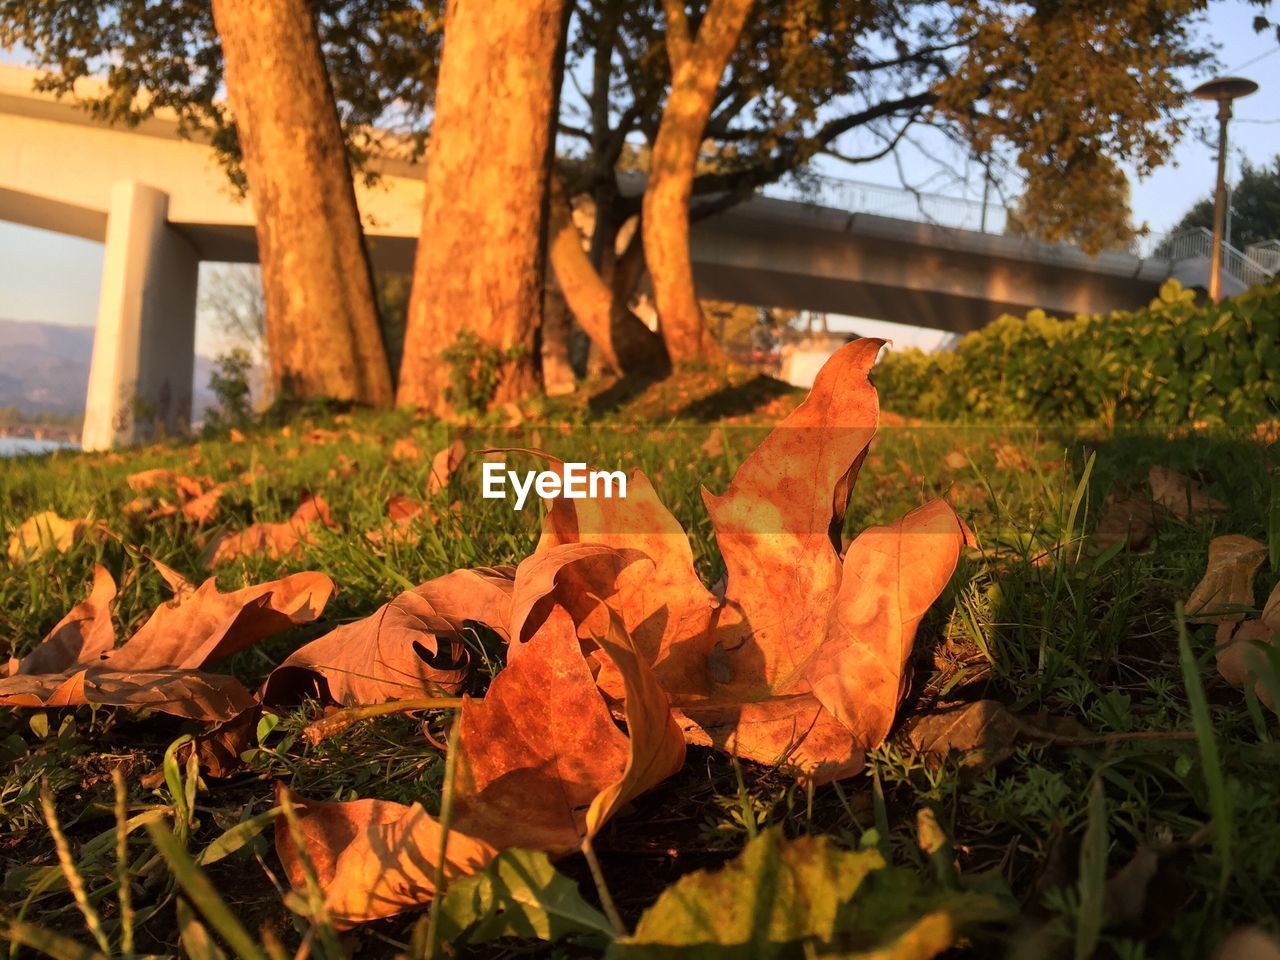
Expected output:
(160, 204)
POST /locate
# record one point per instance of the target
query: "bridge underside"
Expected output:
(161, 204)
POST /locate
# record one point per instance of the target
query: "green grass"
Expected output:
(1034, 618)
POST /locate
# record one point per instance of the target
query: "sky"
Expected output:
(51, 278)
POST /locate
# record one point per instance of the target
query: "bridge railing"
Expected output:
(1267, 254)
(855, 196)
(1198, 242)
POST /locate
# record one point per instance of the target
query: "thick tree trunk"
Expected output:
(697, 64)
(322, 321)
(480, 253)
(625, 344)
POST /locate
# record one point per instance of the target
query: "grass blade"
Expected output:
(1215, 780)
(49, 943)
(1093, 875)
(203, 896)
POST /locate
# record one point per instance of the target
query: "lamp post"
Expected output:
(1223, 90)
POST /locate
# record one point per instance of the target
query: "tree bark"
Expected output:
(697, 63)
(624, 343)
(481, 250)
(323, 338)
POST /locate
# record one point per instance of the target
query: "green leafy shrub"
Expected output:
(475, 370)
(1171, 362)
(229, 383)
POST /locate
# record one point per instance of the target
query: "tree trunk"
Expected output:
(481, 250)
(558, 378)
(697, 64)
(323, 338)
(625, 344)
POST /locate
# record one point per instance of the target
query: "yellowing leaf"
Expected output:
(45, 533)
(798, 898)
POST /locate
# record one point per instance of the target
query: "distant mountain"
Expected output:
(44, 368)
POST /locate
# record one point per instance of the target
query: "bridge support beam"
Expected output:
(144, 345)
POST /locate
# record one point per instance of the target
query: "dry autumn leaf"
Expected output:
(1181, 495)
(1227, 584)
(1128, 517)
(197, 498)
(161, 665)
(402, 524)
(1241, 649)
(405, 450)
(802, 661)
(272, 540)
(443, 464)
(983, 733)
(47, 533)
(534, 771)
(408, 648)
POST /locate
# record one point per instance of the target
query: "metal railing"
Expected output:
(1258, 264)
(1198, 242)
(855, 196)
(1265, 254)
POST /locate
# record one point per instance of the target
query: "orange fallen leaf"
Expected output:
(713, 446)
(533, 771)
(802, 660)
(1227, 584)
(84, 635)
(1181, 495)
(372, 858)
(443, 464)
(401, 527)
(161, 665)
(404, 449)
(1014, 458)
(272, 539)
(197, 497)
(956, 460)
(407, 648)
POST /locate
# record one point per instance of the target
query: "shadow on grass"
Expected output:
(736, 400)
(621, 392)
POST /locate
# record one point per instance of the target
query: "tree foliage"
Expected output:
(1255, 206)
(381, 54)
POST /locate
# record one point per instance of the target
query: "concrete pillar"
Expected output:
(144, 345)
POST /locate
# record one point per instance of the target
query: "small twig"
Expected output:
(340, 720)
(606, 899)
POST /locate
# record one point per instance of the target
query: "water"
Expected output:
(18, 446)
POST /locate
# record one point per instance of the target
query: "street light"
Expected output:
(1223, 90)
